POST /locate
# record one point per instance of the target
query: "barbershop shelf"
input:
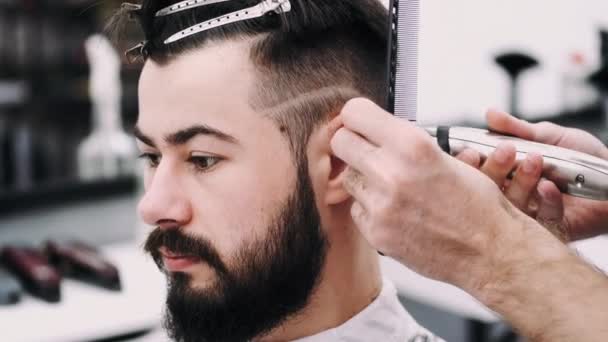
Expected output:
(87, 313)
(12, 92)
(12, 201)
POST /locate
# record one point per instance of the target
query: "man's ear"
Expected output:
(327, 171)
(336, 193)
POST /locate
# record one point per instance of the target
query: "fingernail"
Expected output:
(501, 155)
(529, 166)
(533, 163)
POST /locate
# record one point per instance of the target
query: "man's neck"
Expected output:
(350, 281)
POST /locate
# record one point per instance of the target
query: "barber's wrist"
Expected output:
(543, 285)
(526, 259)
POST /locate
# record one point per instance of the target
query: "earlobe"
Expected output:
(336, 193)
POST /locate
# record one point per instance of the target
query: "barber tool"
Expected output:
(575, 173)
(82, 262)
(37, 276)
(10, 290)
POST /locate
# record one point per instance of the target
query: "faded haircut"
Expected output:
(310, 60)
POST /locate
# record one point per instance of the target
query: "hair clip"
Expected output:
(132, 9)
(266, 6)
(186, 5)
(139, 51)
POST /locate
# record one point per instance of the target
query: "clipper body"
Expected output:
(79, 261)
(574, 173)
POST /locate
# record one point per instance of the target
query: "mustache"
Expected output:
(177, 242)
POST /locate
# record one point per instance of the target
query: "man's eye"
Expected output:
(203, 163)
(152, 160)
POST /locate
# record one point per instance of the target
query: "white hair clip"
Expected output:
(139, 51)
(186, 5)
(266, 6)
(133, 10)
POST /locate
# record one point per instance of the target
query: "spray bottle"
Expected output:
(108, 152)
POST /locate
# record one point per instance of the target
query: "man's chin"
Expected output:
(202, 282)
(196, 279)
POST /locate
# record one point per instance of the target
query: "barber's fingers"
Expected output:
(360, 217)
(544, 132)
(367, 119)
(500, 163)
(356, 185)
(355, 151)
(523, 185)
(505, 123)
(470, 157)
(551, 209)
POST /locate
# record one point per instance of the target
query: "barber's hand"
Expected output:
(583, 218)
(433, 213)
(537, 197)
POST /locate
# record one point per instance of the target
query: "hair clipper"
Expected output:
(574, 173)
(32, 268)
(81, 262)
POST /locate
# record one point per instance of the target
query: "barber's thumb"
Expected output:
(359, 215)
(506, 123)
(362, 220)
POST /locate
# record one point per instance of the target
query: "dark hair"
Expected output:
(311, 60)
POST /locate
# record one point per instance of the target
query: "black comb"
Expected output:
(402, 97)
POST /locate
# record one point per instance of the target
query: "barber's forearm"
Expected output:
(550, 295)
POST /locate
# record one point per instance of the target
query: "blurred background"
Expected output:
(67, 161)
(46, 112)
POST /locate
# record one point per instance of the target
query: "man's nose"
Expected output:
(164, 204)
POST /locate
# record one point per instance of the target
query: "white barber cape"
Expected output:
(384, 319)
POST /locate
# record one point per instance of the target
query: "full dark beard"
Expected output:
(271, 281)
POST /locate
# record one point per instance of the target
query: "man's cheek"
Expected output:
(228, 230)
(243, 212)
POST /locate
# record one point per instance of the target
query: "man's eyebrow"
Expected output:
(183, 136)
(142, 137)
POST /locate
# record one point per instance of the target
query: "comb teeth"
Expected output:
(405, 78)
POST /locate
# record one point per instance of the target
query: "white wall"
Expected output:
(458, 77)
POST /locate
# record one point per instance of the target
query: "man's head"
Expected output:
(240, 180)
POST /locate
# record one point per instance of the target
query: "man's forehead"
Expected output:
(223, 62)
(211, 85)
